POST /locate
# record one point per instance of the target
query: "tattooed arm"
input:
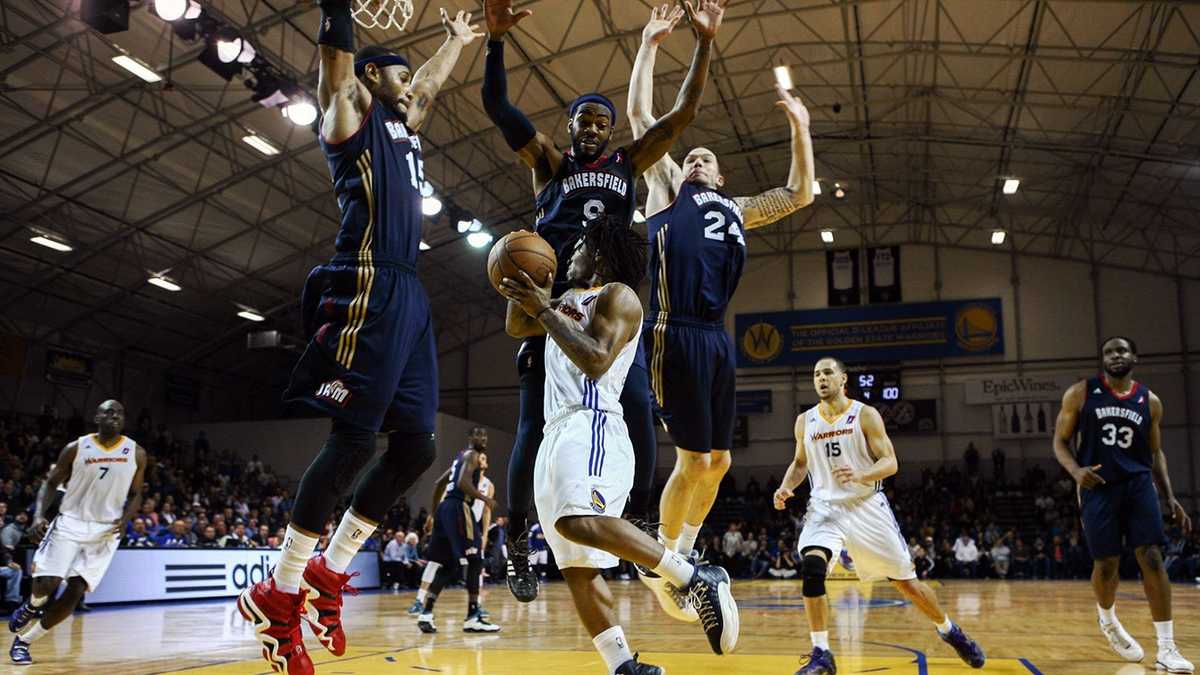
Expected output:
(658, 139)
(429, 78)
(770, 206)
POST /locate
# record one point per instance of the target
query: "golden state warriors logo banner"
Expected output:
(916, 330)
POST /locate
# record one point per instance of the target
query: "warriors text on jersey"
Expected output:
(833, 444)
(579, 192)
(377, 176)
(1114, 430)
(456, 469)
(100, 479)
(567, 388)
(697, 253)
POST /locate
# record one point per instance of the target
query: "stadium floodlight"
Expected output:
(431, 205)
(301, 112)
(170, 10)
(479, 239)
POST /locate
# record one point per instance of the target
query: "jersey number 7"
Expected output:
(103, 472)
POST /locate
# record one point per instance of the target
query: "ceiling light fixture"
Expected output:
(164, 283)
(170, 10)
(431, 206)
(479, 239)
(423, 246)
(51, 242)
(251, 315)
(816, 187)
(137, 67)
(827, 236)
(998, 237)
(783, 75)
(1011, 185)
(301, 112)
(260, 144)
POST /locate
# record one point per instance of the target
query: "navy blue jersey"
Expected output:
(456, 469)
(377, 176)
(578, 193)
(697, 253)
(1114, 431)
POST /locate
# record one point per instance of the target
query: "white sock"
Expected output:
(294, 554)
(32, 632)
(347, 539)
(820, 639)
(1107, 615)
(675, 568)
(687, 538)
(1165, 630)
(36, 601)
(613, 648)
(945, 625)
(667, 541)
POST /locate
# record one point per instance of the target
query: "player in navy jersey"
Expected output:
(1118, 461)
(572, 187)
(371, 360)
(697, 254)
(457, 539)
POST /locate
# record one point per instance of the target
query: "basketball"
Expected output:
(521, 250)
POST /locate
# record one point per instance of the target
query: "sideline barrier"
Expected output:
(140, 574)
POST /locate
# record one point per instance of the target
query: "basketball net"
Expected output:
(382, 14)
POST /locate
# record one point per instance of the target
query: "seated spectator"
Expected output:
(237, 538)
(11, 573)
(760, 561)
(391, 565)
(1001, 557)
(208, 538)
(411, 561)
(177, 536)
(12, 533)
(1040, 561)
(138, 537)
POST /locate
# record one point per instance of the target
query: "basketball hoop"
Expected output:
(382, 14)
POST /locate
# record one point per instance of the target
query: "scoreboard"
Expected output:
(875, 384)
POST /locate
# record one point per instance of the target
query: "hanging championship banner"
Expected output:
(68, 368)
(841, 272)
(883, 274)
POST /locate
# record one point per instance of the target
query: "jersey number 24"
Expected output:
(718, 229)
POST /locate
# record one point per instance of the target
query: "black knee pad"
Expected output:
(416, 452)
(332, 472)
(814, 569)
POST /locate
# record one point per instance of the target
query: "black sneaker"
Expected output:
(522, 581)
(632, 667)
(23, 616)
(709, 592)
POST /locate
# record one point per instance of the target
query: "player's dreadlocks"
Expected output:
(621, 249)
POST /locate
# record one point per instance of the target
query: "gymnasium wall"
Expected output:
(1054, 313)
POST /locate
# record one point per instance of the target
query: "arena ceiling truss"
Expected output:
(920, 108)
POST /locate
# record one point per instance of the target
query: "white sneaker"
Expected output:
(1170, 660)
(426, 624)
(1122, 642)
(478, 624)
(675, 603)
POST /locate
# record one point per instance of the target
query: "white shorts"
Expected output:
(867, 529)
(584, 468)
(539, 557)
(76, 548)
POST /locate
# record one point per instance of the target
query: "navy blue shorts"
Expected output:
(456, 536)
(371, 358)
(1125, 512)
(692, 374)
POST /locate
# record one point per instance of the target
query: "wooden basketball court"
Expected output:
(1025, 627)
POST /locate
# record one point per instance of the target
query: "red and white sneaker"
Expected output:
(276, 619)
(323, 607)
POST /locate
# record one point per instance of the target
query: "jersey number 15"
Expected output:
(833, 449)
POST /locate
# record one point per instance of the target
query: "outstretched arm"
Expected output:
(1159, 467)
(770, 206)
(796, 472)
(534, 148)
(665, 174)
(658, 139)
(344, 100)
(430, 77)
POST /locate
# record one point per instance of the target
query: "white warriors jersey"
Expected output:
(477, 506)
(100, 479)
(829, 445)
(567, 388)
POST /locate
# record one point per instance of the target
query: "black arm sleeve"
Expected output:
(513, 124)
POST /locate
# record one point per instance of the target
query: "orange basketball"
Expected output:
(521, 250)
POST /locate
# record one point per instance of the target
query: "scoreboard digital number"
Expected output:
(876, 384)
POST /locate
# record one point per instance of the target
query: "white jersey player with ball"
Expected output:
(843, 449)
(103, 474)
(585, 464)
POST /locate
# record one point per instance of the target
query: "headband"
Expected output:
(595, 98)
(380, 61)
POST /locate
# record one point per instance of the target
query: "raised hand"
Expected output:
(705, 17)
(662, 21)
(501, 17)
(460, 28)
(791, 105)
